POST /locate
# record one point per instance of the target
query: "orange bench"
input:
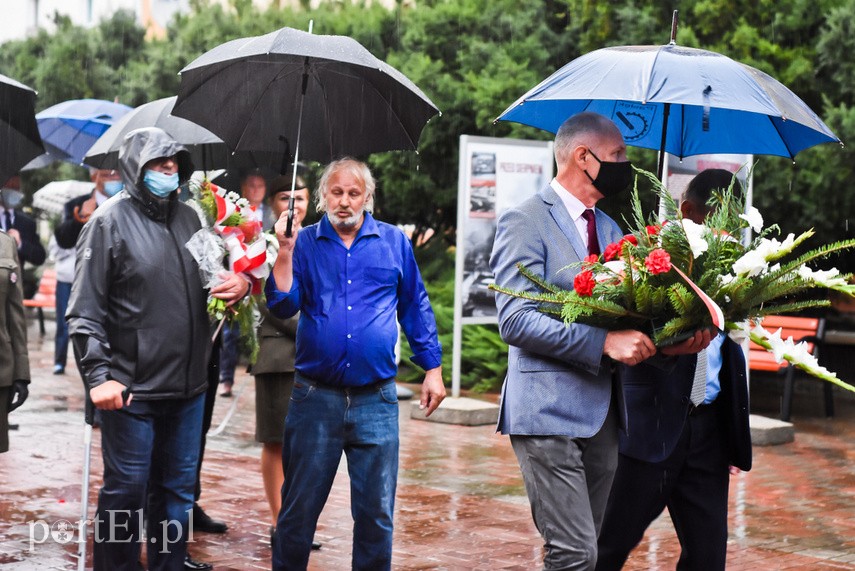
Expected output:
(45, 296)
(808, 329)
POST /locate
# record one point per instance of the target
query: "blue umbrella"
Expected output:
(681, 100)
(70, 128)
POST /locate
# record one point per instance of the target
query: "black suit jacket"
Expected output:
(658, 404)
(68, 230)
(31, 249)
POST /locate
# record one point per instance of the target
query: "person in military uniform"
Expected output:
(14, 362)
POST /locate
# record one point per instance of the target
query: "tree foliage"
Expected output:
(475, 57)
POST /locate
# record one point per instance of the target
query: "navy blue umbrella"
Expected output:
(70, 128)
(19, 136)
(681, 100)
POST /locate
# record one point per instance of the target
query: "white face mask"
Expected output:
(12, 198)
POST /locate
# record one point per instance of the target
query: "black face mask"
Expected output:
(613, 177)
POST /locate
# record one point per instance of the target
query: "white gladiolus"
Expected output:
(751, 263)
(741, 333)
(695, 234)
(827, 278)
(779, 346)
(754, 218)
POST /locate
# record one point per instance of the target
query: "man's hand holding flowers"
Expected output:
(232, 289)
(675, 279)
(231, 252)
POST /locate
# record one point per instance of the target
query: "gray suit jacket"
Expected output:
(558, 382)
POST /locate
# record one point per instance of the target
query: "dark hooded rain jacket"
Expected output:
(137, 312)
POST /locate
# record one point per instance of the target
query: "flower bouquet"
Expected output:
(673, 277)
(229, 239)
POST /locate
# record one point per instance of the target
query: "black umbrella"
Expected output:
(303, 96)
(206, 149)
(20, 141)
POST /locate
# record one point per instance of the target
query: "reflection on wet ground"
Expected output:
(460, 503)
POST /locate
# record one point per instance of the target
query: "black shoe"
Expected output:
(315, 546)
(196, 565)
(204, 523)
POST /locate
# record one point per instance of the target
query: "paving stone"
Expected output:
(460, 505)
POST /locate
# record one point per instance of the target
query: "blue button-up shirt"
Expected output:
(349, 300)
(714, 361)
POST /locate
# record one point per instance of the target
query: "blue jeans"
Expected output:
(60, 353)
(229, 353)
(150, 451)
(322, 423)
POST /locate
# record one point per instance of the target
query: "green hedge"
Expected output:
(484, 354)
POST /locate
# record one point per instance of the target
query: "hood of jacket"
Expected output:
(138, 148)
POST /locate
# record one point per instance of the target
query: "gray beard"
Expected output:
(347, 223)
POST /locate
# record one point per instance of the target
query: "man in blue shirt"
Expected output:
(350, 277)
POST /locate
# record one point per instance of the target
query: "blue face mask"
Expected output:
(112, 187)
(160, 184)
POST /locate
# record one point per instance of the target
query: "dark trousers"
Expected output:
(229, 352)
(567, 481)
(692, 483)
(63, 293)
(208, 415)
(148, 447)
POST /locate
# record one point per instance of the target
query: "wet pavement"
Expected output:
(460, 503)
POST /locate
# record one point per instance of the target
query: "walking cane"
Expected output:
(89, 419)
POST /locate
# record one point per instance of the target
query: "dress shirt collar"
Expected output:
(3, 217)
(573, 205)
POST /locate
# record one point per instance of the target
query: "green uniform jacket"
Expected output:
(14, 362)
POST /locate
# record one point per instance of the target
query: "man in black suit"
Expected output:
(23, 229)
(676, 454)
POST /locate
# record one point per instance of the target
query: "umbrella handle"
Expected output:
(288, 227)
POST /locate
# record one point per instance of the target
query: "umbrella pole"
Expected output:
(297, 150)
(667, 110)
(661, 166)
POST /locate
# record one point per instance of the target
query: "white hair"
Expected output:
(358, 169)
(576, 131)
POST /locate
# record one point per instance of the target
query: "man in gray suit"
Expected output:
(557, 399)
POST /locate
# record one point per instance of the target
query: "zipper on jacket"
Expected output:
(189, 308)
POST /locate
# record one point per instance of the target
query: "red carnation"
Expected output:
(612, 252)
(629, 238)
(584, 283)
(590, 259)
(658, 261)
(652, 230)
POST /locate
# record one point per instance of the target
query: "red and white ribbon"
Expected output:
(712, 306)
